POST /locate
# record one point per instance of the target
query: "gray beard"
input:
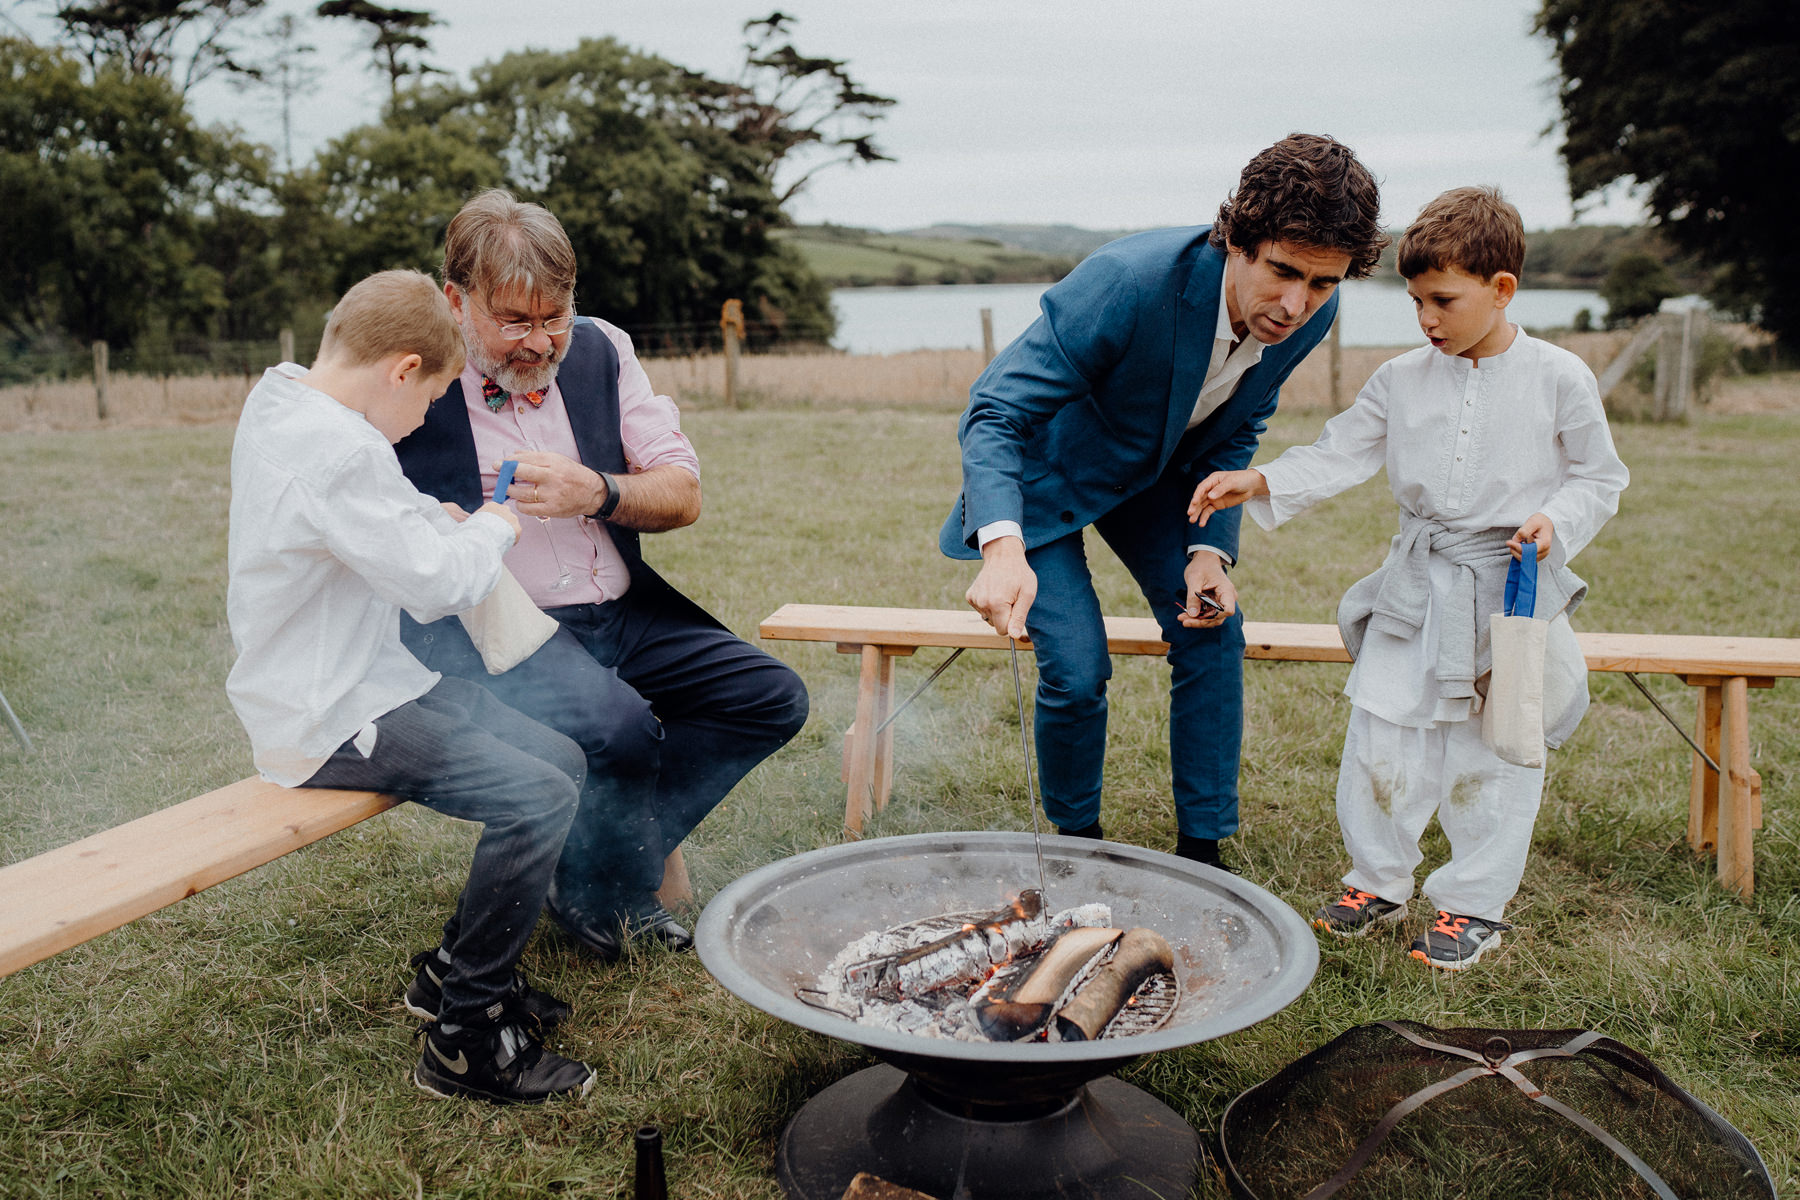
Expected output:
(514, 377)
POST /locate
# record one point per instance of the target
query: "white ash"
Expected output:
(941, 1015)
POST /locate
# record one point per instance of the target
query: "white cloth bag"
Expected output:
(1512, 722)
(507, 628)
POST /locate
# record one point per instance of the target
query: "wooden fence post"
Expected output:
(1667, 393)
(1337, 361)
(100, 357)
(731, 320)
(1685, 390)
(286, 338)
(987, 335)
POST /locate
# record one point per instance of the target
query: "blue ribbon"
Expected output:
(1521, 583)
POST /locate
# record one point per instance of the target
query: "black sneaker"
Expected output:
(1357, 913)
(425, 994)
(1455, 942)
(502, 1064)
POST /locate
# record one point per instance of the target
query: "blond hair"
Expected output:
(1468, 229)
(497, 243)
(394, 312)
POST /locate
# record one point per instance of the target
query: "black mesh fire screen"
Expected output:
(1402, 1111)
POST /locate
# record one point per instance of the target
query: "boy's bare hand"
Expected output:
(503, 512)
(456, 511)
(1225, 489)
(1205, 575)
(1537, 528)
(552, 485)
(1004, 588)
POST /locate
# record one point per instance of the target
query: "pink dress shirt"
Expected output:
(572, 560)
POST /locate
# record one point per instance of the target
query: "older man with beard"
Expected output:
(671, 708)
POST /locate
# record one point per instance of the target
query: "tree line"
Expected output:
(128, 221)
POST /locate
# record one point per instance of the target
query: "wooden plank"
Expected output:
(1647, 653)
(1680, 654)
(76, 892)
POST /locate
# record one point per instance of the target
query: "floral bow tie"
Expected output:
(496, 396)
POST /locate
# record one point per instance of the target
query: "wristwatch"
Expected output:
(612, 497)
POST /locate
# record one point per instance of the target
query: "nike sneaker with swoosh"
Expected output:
(502, 1064)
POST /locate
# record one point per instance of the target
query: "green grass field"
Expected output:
(250, 1041)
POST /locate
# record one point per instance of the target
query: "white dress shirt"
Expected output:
(328, 541)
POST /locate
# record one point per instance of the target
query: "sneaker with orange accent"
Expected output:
(1454, 942)
(1357, 913)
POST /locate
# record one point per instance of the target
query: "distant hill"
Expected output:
(1065, 241)
(845, 256)
(848, 257)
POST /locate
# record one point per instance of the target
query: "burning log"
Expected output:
(1030, 1004)
(966, 956)
(1141, 953)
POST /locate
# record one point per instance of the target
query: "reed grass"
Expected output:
(250, 1040)
(924, 380)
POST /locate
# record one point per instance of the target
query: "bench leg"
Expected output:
(1737, 812)
(675, 889)
(868, 757)
(1703, 789)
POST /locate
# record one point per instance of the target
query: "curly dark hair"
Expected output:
(1311, 190)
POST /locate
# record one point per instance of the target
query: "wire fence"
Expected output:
(178, 359)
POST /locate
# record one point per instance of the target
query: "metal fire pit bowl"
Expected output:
(990, 1119)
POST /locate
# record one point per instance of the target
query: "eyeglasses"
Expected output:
(515, 331)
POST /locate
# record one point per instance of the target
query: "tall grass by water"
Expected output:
(250, 1040)
(920, 380)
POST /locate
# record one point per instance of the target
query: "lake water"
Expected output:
(888, 320)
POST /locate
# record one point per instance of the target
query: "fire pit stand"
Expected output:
(999, 1120)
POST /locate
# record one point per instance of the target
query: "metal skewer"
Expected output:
(1037, 840)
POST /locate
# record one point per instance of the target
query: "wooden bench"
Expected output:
(69, 895)
(1723, 668)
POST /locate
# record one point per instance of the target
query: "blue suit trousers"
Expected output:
(1149, 533)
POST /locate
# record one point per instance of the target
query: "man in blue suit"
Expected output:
(1155, 362)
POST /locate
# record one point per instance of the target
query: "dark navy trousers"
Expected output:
(671, 709)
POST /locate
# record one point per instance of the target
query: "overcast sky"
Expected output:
(1127, 114)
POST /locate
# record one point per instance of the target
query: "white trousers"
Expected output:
(1394, 777)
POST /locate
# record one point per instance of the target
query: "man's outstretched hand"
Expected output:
(1005, 587)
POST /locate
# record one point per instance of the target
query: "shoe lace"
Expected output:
(1356, 900)
(1450, 925)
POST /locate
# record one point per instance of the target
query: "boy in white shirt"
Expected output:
(1494, 443)
(328, 542)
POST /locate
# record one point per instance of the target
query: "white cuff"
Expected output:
(997, 529)
(1223, 557)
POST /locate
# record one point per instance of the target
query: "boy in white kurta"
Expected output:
(1494, 443)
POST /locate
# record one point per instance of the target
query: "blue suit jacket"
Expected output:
(1088, 406)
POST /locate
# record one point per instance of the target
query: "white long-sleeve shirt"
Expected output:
(328, 541)
(1474, 447)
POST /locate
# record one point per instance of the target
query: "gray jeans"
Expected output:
(458, 750)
